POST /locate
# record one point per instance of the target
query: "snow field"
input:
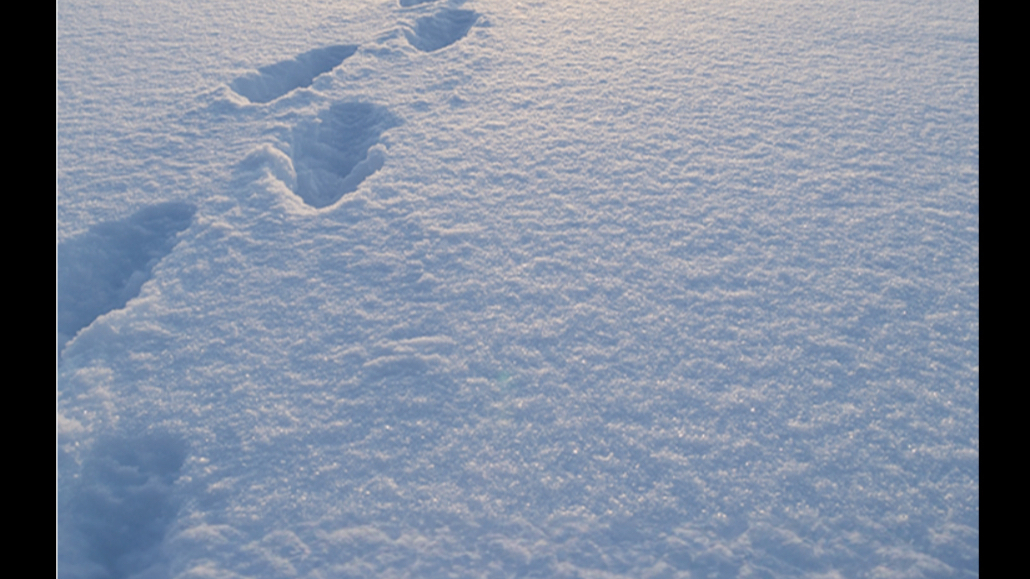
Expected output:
(645, 290)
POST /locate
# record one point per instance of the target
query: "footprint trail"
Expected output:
(335, 152)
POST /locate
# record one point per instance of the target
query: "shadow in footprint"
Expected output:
(441, 29)
(114, 518)
(104, 268)
(273, 81)
(332, 155)
(410, 3)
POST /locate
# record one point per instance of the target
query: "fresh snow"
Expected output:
(402, 288)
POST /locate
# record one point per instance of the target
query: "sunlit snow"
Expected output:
(416, 288)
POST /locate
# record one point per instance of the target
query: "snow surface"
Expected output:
(518, 289)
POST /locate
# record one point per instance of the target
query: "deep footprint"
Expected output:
(102, 269)
(119, 509)
(441, 29)
(331, 155)
(273, 81)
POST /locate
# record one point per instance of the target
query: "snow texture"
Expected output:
(490, 289)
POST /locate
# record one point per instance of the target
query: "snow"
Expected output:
(273, 81)
(488, 289)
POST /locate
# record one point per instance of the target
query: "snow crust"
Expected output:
(518, 289)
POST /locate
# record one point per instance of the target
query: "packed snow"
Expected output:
(417, 288)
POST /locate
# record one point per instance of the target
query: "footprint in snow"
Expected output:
(410, 3)
(102, 269)
(273, 81)
(336, 152)
(120, 507)
(440, 30)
